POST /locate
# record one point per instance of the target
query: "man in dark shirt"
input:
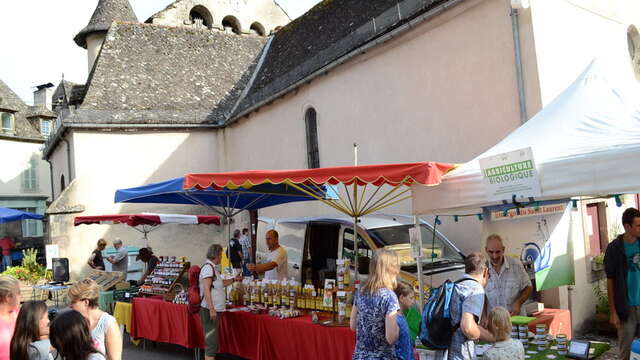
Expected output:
(236, 256)
(146, 256)
(622, 266)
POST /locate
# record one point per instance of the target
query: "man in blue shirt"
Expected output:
(467, 309)
(622, 266)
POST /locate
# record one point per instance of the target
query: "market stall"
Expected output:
(389, 184)
(578, 148)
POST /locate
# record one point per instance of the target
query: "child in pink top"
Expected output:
(9, 307)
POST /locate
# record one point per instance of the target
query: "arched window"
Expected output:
(257, 29)
(201, 15)
(63, 185)
(313, 153)
(230, 22)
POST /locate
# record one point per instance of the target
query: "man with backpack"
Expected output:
(467, 307)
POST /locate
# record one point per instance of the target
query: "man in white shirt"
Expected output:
(120, 260)
(509, 285)
(276, 266)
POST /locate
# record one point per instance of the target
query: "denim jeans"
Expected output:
(6, 262)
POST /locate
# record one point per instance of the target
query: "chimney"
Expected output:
(43, 95)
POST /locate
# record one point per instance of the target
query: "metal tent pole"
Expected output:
(416, 221)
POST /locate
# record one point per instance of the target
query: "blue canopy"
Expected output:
(8, 215)
(254, 198)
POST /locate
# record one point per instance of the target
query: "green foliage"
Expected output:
(602, 302)
(598, 259)
(30, 271)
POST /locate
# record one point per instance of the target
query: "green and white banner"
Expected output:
(510, 174)
(554, 266)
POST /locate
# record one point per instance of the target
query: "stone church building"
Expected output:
(222, 85)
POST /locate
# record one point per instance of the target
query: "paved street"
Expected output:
(160, 351)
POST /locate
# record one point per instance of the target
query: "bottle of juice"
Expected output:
(312, 299)
(299, 300)
(284, 294)
(276, 294)
(347, 273)
(265, 293)
(292, 294)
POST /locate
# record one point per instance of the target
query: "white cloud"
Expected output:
(37, 38)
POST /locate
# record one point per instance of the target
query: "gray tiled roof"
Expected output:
(11, 101)
(154, 74)
(328, 31)
(105, 14)
(39, 111)
(62, 94)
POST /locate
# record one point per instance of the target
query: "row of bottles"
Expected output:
(290, 293)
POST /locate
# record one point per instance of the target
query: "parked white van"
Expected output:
(314, 244)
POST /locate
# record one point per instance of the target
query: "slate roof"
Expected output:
(325, 33)
(9, 100)
(39, 111)
(155, 74)
(105, 14)
(60, 97)
(12, 102)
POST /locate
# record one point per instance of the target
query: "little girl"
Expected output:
(404, 346)
(505, 347)
(31, 337)
(70, 336)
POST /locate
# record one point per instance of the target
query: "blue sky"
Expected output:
(36, 38)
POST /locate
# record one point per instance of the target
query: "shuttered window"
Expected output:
(313, 153)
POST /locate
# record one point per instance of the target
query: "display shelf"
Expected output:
(164, 277)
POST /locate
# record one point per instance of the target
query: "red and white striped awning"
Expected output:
(147, 219)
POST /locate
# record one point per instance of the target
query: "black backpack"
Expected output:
(436, 327)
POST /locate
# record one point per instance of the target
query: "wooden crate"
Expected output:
(106, 280)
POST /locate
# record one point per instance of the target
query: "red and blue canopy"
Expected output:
(147, 219)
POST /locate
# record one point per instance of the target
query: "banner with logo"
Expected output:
(538, 235)
(510, 175)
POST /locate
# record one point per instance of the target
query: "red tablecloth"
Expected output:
(162, 321)
(262, 337)
(558, 321)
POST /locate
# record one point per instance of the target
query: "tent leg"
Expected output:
(416, 221)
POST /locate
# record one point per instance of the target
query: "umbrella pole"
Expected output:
(416, 221)
(355, 217)
(355, 247)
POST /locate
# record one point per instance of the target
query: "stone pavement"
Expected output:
(161, 351)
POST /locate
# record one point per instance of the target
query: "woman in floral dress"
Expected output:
(375, 308)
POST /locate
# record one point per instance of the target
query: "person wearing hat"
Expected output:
(146, 256)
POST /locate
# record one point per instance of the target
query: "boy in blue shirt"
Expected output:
(404, 345)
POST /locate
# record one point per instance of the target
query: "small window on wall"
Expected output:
(313, 152)
(30, 227)
(8, 123)
(30, 176)
(45, 127)
(63, 185)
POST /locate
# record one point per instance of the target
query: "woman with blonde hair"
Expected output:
(9, 308)
(83, 297)
(375, 308)
(505, 347)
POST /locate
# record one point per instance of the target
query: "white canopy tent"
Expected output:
(586, 142)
